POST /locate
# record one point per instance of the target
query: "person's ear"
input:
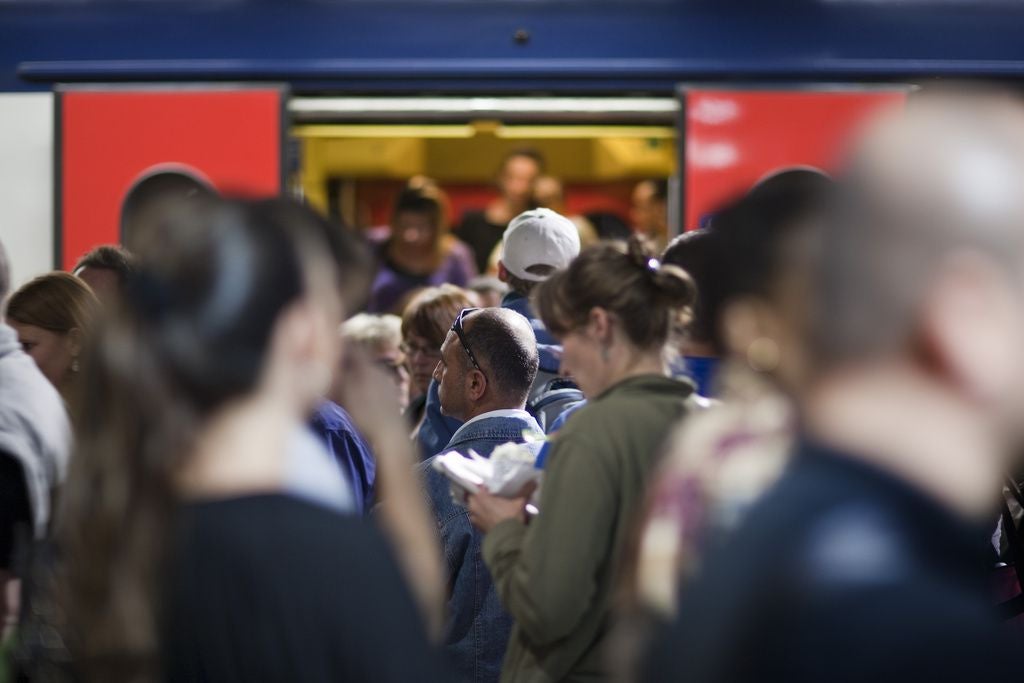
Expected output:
(971, 327)
(74, 341)
(476, 384)
(502, 271)
(599, 324)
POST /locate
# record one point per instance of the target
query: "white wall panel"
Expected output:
(26, 182)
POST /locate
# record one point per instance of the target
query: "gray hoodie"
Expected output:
(34, 427)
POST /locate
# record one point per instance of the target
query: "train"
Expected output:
(338, 101)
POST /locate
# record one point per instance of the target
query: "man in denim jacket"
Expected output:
(488, 362)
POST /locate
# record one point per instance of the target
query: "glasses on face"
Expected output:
(392, 365)
(411, 350)
(460, 332)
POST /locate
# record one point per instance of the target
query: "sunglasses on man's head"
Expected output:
(460, 332)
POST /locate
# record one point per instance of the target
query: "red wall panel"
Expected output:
(109, 139)
(736, 137)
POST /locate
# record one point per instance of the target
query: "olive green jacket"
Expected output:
(556, 575)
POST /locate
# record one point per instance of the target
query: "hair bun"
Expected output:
(672, 283)
(675, 284)
(640, 251)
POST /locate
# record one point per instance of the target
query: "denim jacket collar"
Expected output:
(505, 425)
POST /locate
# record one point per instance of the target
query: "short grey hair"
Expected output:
(373, 330)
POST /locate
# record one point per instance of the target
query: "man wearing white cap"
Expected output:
(536, 244)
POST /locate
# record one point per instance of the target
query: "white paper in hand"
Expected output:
(505, 473)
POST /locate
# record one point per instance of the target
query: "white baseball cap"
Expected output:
(539, 237)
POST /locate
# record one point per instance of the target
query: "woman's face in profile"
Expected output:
(53, 352)
(422, 356)
(581, 360)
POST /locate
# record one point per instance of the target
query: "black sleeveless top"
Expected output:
(272, 588)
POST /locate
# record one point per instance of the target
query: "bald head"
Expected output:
(942, 177)
(505, 345)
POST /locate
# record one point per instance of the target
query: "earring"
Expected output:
(74, 364)
(763, 355)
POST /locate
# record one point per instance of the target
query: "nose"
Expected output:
(437, 372)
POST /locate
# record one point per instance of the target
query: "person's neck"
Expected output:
(502, 210)
(913, 427)
(697, 349)
(241, 449)
(491, 406)
(66, 389)
(415, 261)
(624, 363)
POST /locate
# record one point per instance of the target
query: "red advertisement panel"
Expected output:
(108, 140)
(736, 137)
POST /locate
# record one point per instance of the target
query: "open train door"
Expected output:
(113, 144)
(733, 136)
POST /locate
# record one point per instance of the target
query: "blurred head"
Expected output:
(154, 195)
(922, 257)
(425, 323)
(502, 367)
(536, 243)
(649, 212)
(518, 173)
(351, 257)
(751, 269)
(220, 287)
(695, 253)
(379, 337)
(418, 219)
(490, 290)
(612, 297)
(230, 308)
(106, 269)
(53, 315)
(549, 194)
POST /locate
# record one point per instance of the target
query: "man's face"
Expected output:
(450, 375)
(103, 282)
(415, 230)
(517, 178)
(648, 213)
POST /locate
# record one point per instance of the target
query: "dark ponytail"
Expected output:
(650, 298)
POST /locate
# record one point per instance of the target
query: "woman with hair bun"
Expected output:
(188, 553)
(613, 311)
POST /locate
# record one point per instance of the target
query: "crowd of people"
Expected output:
(781, 447)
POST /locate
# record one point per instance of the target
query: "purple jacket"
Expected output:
(391, 284)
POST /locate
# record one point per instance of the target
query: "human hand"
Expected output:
(487, 510)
